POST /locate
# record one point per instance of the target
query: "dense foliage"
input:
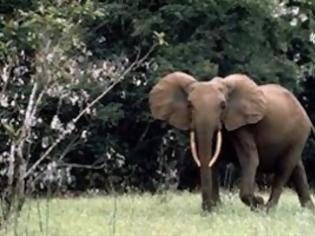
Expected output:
(78, 48)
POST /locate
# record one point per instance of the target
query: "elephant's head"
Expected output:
(202, 108)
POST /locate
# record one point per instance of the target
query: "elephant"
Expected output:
(267, 125)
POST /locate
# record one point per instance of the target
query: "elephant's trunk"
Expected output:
(204, 159)
(204, 143)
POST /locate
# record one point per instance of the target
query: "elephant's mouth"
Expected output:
(217, 148)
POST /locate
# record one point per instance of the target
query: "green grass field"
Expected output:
(165, 214)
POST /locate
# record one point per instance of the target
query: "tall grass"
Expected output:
(163, 214)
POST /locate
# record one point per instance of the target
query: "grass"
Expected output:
(164, 214)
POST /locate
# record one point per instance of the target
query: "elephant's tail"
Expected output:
(311, 124)
(310, 121)
(313, 128)
(308, 118)
(305, 115)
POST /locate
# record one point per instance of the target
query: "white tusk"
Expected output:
(217, 149)
(193, 148)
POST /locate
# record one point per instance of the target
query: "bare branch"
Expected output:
(11, 164)
(74, 165)
(5, 77)
(45, 155)
(132, 66)
(70, 147)
(26, 128)
(30, 107)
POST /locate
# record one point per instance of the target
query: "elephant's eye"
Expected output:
(223, 105)
(189, 105)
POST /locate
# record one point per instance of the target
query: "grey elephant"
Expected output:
(267, 125)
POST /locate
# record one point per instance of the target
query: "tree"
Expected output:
(57, 72)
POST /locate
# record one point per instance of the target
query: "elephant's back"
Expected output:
(284, 110)
(285, 125)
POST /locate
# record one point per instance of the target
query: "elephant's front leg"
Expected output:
(246, 151)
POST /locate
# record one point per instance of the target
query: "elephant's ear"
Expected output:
(246, 102)
(168, 99)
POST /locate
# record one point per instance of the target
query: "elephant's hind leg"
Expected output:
(282, 175)
(301, 186)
